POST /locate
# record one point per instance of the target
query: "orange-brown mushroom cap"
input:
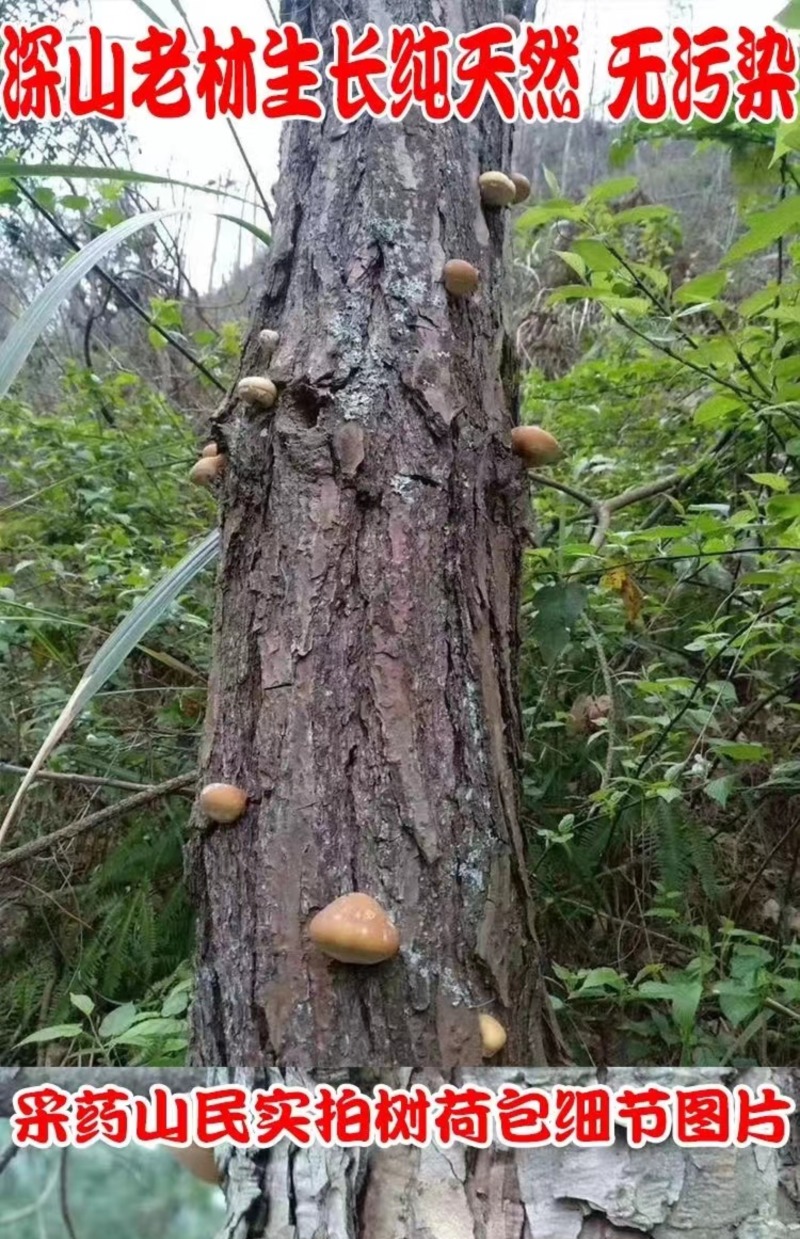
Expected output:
(535, 445)
(355, 930)
(493, 1035)
(223, 802)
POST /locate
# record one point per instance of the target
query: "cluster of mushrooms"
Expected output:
(354, 929)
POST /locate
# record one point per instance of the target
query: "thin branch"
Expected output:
(605, 672)
(8, 1155)
(541, 479)
(637, 493)
(89, 780)
(108, 814)
(63, 1194)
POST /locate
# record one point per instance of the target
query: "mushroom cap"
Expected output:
(535, 445)
(210, 449)
(269, 340)
(509, 19)
(460, 277)
(257, 389)
(497, 189)
(355, 930)
(223, 802)
(522, 186)
(493, 1034)
(207, 469)
(201, 1162)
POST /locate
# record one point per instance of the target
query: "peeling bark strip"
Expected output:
(364, 689)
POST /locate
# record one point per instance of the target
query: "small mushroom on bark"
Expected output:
(355, 930)
(269, 341)
(535, 445)
(493, 1035)
(497, 189)
(210, 449)
(207, 469)
(460, 277)
(522, 186)
(257, 390)
(223, 802)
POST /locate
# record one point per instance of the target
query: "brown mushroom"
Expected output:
(522, 186)
(535, 445)
(223, 802)
(207, 470)
(497, 189)
(257, 390)
(493, 1035)
(210, 449)
(460, 277)
(355, 930)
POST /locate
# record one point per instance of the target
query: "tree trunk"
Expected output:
(364, 690)
(661, 1191)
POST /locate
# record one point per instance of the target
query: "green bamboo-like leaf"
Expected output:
(30, 325)
(39, 171)
(147, 612)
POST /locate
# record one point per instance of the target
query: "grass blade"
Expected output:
(147, 612)
(30, 325)
(10, 167)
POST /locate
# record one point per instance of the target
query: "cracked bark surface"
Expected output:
(660, 1191)
(364, 689)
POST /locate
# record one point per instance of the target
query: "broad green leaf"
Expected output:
(784, 507)
(596, 255)
(647, 212)
(148, 1030)
(83, 1002)
(736, 750)
(119, 1020)
(736, 1004)
(558, 609)
(765, 227)
(773, 481)
(718, 410)
(703, 288)
(608, 190)
(574, 262)
(720, 790)
(601, 978)
(56, 1032)
(546, 212)
(147, 612)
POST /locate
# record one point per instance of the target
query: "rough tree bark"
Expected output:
(660, 1191)
(364, 686)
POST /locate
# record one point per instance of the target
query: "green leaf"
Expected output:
(736, 1004)
(765, 227)
(617, 188)
(119, 1020)
(789, 16)
(702, 288)
(597, 256)
(736, 750)
(150, 1030)
(83, 1002)
(29, 326)
(558, 608)
(248, 227)
(601, 978)
(720, 790)
(125, 176)
(56, 1032)
(718, 410)
(784, 507)
(773, 481)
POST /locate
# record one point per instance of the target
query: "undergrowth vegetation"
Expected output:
(660, 669)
